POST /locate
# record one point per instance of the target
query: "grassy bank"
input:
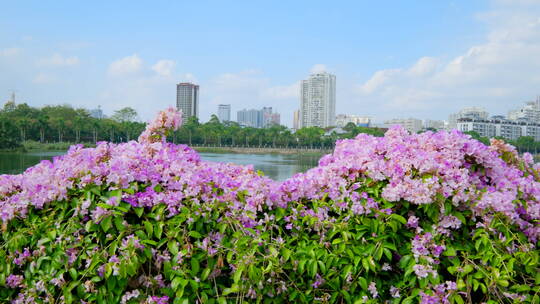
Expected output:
(31, 145)
(246, 150)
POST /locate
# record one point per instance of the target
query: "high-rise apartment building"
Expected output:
(187, 99)
(224, 112)
(318, 100)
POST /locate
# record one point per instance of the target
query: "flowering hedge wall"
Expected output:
(430, 218)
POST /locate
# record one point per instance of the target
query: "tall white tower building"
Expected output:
(187, 99)
(318, 101)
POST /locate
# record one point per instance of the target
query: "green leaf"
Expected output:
(73, 273)
(205, 274)
(322, 267)
(149, 228)
(467, 268)
(173, 247)
(118, 223)
(106, 224)
(399, 218)
(139, 211)
(158, 229)
(450, 251)
(222, 300)
(458, 299)
(175, 283)
(313, 268)
(238, 274)
(285, 254)
(195, 266)
(363, 283)
(232, 289)
(365, 264)
(195, 234)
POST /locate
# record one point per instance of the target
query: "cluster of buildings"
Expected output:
(318, 109)
(258, 118)
(187, 100)
(524, 121)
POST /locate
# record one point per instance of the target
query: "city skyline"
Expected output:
(420, 61)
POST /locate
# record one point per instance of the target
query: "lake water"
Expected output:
(276, 166)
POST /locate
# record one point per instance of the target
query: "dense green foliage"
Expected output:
(230, 133)
(53, 124)
(62, 124)
(350, 255)
(25, 125)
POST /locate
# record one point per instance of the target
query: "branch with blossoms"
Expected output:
(166, 121)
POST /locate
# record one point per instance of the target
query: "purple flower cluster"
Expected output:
(14, 281)
(423, 169)
(441, 294)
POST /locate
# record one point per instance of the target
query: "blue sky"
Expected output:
(421, 59)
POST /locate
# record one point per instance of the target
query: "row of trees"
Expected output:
(63, 123)
(230, 133)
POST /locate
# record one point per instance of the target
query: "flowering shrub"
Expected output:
(431, 218)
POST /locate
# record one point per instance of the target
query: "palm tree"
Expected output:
(42, 123)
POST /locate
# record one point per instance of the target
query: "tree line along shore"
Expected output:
(56, 127)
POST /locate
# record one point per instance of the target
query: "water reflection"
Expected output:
(276, 166)
(15, 163)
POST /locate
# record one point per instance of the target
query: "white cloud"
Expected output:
(318, 68)
(10, 52)
(378, 79)
(146, 88)
(164, 67)
(424, 66)
(44, 78)
(518, 2)
(127, 65)
(59, 61)
(497, 73)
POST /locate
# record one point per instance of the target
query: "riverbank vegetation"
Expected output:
(58, 127)
(421, 218)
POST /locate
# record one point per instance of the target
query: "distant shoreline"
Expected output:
(262, 150)
(37, 146)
